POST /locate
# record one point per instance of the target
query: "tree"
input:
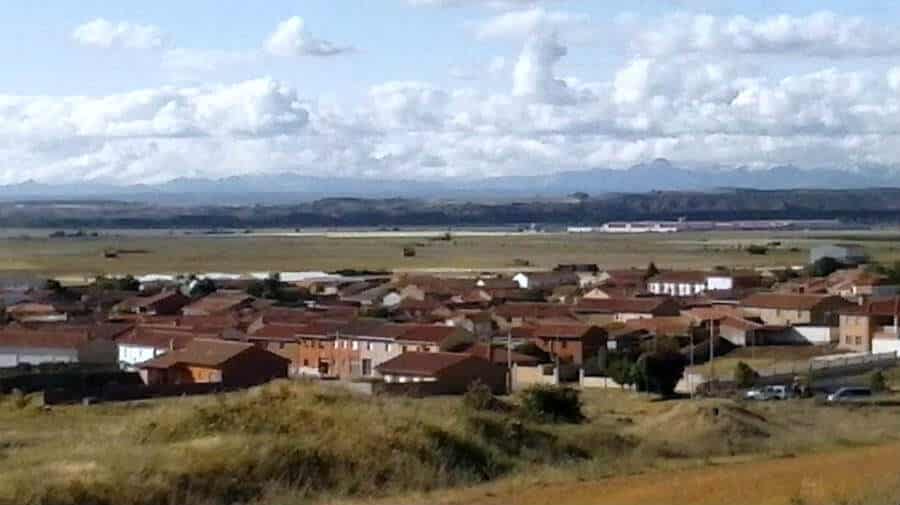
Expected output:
(54, 285)
(744, 375)
(824, 266)
(651, 271)
(127, 283)
(878, 382)
(202, 287)
(620, 369)
(659, 372)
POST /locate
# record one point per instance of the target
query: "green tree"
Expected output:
(620, 369)
(823, 267)
(651, 271)
(744, 375)
(878, 382)
(659, 372)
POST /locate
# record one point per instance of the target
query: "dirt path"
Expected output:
(871, 474)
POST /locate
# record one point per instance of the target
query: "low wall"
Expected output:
(815, 335)
(524, 376)
(603, 383)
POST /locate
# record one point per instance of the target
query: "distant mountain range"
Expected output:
(285, 188)
(857, 206)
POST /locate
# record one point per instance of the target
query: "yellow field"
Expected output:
(869, 475)
(179, 253)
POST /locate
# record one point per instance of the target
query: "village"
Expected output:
(576, 325)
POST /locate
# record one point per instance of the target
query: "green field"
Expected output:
(243, 253)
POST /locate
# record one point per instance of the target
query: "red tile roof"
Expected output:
(572, 330)
(218, 302)
(201, 352)
(159, 338)
(784, 301)
(427, 364)
(621, 305)
(500, 355)
(434, 334)
(533, 310)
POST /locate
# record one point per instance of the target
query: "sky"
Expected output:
(144, 92)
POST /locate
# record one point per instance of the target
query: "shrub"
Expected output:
(409, 252)
(552, 404)
(757, 249)
(744, 376)
(479, 396)
(620, 369)
(659, 372)
(878, 382)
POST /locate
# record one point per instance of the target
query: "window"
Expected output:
(403, 349)
(387, 347)
(368, 346)
(858, 340)
(337, 344)
(355, 345)
(306, 362)
(564, 344)
(367, 367)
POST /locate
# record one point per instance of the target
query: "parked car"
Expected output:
(768, 393)
(849, 394)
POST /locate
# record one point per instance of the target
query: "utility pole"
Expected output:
(509, 358)
(691, 372)
(712, 350)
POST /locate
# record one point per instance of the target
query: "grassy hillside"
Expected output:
(298, 443)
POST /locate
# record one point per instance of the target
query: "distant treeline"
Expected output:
(861, 206)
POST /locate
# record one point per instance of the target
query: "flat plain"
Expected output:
(162, 252)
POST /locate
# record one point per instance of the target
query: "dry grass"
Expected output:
(237, 253)
(293, 443)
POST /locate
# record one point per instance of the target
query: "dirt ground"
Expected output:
(856, 476)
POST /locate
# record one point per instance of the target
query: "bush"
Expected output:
(757, 249)
(659, 372)
(479, 396)
(744, 375)
(552, 404)
(878, 382)
(620, 369)
(409, 252)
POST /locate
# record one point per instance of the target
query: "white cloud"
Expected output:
(685, 105)
(496, 4)
(291, 38)
(823, 34)
(523, 23)
(533, 74)
(123, 35)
